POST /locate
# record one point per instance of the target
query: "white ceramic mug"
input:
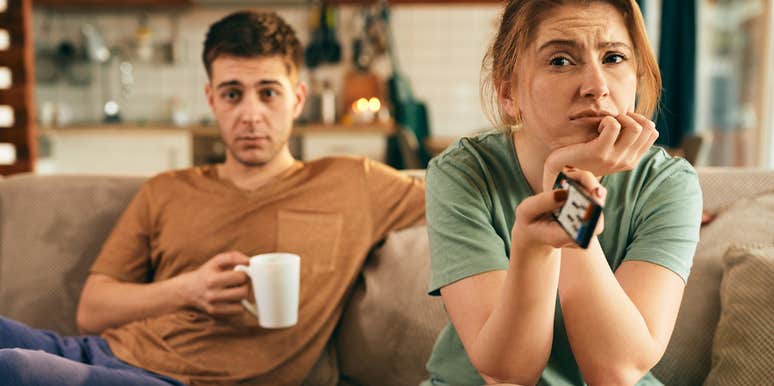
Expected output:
(275, 279)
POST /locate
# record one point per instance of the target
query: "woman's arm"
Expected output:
(505, 319)
(618, 324)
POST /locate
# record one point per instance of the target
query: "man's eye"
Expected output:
(232, 95)
(614, 58)
(560, 61)
(268, 93)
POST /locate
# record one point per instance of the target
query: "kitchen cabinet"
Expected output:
(317, 141)
(99, 150)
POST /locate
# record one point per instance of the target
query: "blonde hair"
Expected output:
(519, 22)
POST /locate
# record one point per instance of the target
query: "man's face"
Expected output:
(255, 102)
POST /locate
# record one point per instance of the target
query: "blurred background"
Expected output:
(100, 86)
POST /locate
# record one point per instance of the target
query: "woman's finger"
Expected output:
(589, 182)
(631, 131)
(609, 130)
(534, 208)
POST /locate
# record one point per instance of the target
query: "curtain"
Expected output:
(677, 60)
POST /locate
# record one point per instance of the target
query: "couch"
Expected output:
(51, 228)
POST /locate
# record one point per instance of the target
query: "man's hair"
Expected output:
(249, 34)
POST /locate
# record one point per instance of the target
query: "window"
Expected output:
(5, 39)
(733, 47)
(5, 78)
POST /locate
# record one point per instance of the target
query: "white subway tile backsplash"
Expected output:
(439, 48)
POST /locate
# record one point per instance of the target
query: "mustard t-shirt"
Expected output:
(651, 213)
(330, 212)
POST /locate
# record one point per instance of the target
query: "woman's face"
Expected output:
(580, 68)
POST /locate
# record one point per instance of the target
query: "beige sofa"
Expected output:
(51, 228)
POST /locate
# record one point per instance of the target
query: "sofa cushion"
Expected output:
(390, 323)
(51, 229)
(743, 348)
(687, 359)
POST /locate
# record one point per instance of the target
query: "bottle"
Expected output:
(328, 104)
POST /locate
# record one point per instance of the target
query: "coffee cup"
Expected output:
(275, 280)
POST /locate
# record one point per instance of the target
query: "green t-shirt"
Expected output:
(652, 213)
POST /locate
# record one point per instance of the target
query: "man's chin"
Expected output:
(251, 159)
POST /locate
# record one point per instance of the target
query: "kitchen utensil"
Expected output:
(96, 50)
(408, 111)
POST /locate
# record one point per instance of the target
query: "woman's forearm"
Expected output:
(515, 342)
(609, 336)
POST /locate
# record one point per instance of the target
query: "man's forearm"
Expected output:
(106, 302)
(608, 335)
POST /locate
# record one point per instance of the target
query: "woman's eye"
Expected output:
(614, 58)
(559, 61)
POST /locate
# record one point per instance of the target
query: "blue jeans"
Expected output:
(30, 357)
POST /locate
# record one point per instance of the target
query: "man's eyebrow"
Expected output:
(264, 82)
(574, 44)
(229, 83)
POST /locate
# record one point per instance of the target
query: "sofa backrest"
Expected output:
(51, 230)
(52, 227)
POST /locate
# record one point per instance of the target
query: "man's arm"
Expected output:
(215, 288)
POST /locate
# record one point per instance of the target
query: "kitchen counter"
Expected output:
(151, 148)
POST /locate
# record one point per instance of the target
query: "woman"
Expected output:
(574, 81)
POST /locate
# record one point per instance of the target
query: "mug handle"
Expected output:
(249, 306)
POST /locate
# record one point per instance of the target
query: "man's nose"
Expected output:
(252, 109)
(594, 83)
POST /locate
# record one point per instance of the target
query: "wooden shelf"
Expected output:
(101, 4)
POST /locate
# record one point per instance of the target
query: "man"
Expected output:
(163, 295)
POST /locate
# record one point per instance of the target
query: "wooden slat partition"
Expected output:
(17, 20)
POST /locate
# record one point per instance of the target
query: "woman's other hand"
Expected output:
(536, 227)
(621, 143)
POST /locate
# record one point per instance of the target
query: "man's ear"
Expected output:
(506, 100)
(300, 94)
(210, 94)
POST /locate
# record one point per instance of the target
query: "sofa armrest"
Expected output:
(51, 229)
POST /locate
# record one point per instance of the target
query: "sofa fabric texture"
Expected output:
(688, 358)
(52, 227)
(51, 230)
(746, 319)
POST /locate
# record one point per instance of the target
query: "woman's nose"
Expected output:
(594, 82)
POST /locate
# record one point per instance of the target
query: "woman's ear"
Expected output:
(507, 102)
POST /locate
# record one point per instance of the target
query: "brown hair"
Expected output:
(248, 34)
(520, 20)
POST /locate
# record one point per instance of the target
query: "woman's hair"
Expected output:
(519, 23)
(249, 34)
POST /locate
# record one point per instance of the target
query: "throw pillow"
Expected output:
(688, 360)
(743, 347)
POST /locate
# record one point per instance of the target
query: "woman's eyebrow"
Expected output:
(575, 45)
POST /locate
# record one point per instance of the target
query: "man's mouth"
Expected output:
(252, 141)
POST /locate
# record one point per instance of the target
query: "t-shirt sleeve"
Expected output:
(125, 255)
(396, 200)
(667, 222)
(463, 241)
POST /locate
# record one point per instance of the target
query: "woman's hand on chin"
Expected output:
(621, 143)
